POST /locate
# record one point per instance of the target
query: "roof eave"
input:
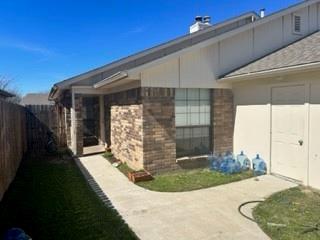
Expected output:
(115, 77)
(53, 93)
(271, 72)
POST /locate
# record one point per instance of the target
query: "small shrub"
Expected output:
(108, 154)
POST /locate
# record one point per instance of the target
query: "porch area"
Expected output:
(88, 124)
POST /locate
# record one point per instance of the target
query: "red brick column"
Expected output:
(159, 141)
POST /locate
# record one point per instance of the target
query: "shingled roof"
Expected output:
(5, 94)
(36, 99)
(301, 52)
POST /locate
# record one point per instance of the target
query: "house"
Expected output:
(36, 99)
(4, 94)
(249, 83)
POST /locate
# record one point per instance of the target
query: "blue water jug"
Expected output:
(226, 160)
(213, 161)
(228, 155)
(234, 167)
(244, 161)
(259, 166)
(229, 165)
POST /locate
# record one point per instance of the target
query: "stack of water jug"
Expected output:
(230, 164)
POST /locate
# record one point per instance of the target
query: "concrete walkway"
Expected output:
(210, 213)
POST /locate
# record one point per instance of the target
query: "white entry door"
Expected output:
(288, 132)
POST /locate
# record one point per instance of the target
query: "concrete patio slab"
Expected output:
(204, 214)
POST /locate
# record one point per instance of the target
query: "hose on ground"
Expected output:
(245, 203)
(306, 228)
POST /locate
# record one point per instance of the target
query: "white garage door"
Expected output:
(288, 132)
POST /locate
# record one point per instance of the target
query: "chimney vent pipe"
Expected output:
(207, 19)
(198, 18)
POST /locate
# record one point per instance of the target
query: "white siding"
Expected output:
(267, 37)
(313, 18)
(203, 66)
(162, 75)
(199, 68)
(236, 51)
(194, 69)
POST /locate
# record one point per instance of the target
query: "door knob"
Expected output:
(300, 142)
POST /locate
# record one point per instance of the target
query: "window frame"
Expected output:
(188, 113)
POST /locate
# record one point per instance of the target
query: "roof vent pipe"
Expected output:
(198, 18)
(207, 20)
(262, 12)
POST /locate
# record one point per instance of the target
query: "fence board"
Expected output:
(13, 142)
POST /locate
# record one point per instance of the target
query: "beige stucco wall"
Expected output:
(252, 130)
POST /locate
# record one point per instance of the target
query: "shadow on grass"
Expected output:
(50, 199)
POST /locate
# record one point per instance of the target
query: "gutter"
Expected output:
(113, 78)
(272, 72)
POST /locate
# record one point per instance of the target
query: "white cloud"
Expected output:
(27, 47)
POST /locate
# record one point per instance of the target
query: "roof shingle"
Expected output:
(36, 99)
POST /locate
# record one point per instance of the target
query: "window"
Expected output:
(193, 110)
(296, 24)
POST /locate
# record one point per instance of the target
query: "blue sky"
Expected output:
(43, 42)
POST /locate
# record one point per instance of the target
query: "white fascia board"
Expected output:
(272, 72)
(113, 78)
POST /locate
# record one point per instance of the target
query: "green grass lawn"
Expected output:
(186, 180)
(50, 199)
(297, 208)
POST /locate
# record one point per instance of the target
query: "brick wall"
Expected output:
(126, 134)
(159, 145)
(78, 125)
(222, 120)
(140, 127)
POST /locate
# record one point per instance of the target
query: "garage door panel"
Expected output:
(288, 128)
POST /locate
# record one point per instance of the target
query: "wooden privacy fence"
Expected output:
(25, 129)
(42, 120)
(13, 141)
